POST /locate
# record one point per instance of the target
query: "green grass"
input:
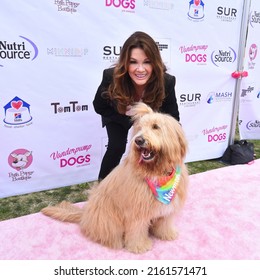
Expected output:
(16, 206)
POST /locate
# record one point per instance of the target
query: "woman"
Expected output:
(139, 75)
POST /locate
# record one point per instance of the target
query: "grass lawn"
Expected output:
(17, 206)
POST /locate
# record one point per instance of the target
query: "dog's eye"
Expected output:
(155, 126)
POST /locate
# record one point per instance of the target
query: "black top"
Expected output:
(109, 112)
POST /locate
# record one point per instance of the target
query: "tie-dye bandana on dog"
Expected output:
(164, 188)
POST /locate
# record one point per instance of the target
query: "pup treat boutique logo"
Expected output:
(19, 50)
(20, 160)
(17, 113)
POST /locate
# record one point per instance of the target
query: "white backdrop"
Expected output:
(249, 112)
(52, 55)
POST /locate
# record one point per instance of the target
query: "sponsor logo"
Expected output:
(67, 52)
(20, 160)
(66, 6)
(254, 18)
(190, 99)
(221, 57)
(17, 113)
(159, 4)
(253, 126)
(245, 92)
(78, 156)
(216, 134)
(194, 54)
(196, 10)
(23, 50)
(219, 97)
(111, 53)
(71, 108)
(226, 14)
(252, 53)
(125, 5)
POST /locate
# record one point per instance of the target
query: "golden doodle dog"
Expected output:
(140, 197)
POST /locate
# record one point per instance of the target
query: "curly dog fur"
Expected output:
(121, 211)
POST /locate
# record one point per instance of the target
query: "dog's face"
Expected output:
(158, 143)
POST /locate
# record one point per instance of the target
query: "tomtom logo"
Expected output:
(126, 4)
(222, 56)
(24, 50)
(73, 107)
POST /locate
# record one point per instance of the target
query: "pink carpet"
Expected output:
(221, 220)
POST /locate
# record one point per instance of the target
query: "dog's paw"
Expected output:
(139, 247)
(165, 234)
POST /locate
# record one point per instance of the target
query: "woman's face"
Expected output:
(140, 68)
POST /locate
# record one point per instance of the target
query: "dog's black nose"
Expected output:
(139, 140)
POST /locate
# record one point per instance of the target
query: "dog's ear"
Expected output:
(138, 110)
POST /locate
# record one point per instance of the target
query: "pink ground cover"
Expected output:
(220, 221)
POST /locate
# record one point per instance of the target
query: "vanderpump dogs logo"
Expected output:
(226, 13)
(159, 4)
(22, 50)
(17, 113)
(216, 134)
(77, 156)
(221, 96)
(221, 57)
(190, 99)
(196, 10)
(124, 5)
(66, 6)
(20, 160)
(194, 54)
(72, 107)
(254, 18)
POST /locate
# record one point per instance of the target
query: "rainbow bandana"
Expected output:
(164, 189)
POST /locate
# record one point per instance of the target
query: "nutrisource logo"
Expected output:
(254, 18)
(23, 49)
(223, 56)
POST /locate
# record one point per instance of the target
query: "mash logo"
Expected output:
(221, 96)
(17, 113)
(196, 10)
(254, 18)
(20, 160)
(78, 156)
(221, 57)
(23, 50)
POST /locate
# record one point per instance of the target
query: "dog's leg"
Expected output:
(136, 237)
(163, 229)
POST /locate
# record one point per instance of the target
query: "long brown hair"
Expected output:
(121, 90)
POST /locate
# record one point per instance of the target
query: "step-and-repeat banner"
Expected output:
(52, 55)
(249, 107)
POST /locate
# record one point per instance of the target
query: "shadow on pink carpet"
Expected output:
(220, 221)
